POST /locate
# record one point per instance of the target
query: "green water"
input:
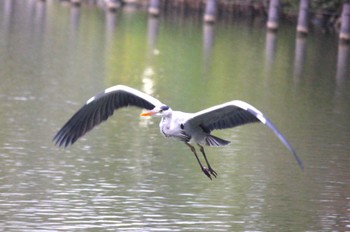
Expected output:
(124, 176)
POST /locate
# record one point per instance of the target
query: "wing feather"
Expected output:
(99, 108)
(232, 114)
(227, 115)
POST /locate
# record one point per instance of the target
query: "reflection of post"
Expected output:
(40, 11)
(299, 56)
(74, 18)
(341, 76)
(345, 22)
(153, 8)
(148, 73)
(273, 17)
(303, 17)
(152, 35)
(210, 11)
(270, 46)
(8, 6)
(110, 25)
(342, 63)
(208, 40)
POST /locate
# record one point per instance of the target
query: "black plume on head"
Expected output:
(164, 107)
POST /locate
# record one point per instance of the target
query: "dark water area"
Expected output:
(123, 175)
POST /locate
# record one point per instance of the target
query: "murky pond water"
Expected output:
(124, 175)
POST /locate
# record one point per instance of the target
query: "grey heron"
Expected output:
(187, 127)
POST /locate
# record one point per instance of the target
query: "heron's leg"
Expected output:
(214, 173)
(204, 170)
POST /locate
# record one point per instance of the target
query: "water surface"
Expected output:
(124, 176)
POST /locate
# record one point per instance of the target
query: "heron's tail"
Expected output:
(214, 141)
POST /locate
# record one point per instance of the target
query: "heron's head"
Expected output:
(161, 111)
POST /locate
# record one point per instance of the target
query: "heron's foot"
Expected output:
(209, 172)
(214, 173)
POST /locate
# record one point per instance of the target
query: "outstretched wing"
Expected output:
(231, 114)
(98, 108)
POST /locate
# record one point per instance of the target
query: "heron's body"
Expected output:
(171, 125)
(186, 127)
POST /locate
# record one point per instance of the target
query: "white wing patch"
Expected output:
(261, 118)
(90, 100)
(111, 89)
(135, 92)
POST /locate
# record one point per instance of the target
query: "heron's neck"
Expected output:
(166, 119)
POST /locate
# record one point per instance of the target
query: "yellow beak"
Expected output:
(148, 113)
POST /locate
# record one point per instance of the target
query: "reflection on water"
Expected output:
(208, 41)
(123, 175)
(342, 64)
(299, 57)
(74, 19)
(270, 53)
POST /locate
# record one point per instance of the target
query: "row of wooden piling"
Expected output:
(273, 15)
(274, 11)
(303, 18)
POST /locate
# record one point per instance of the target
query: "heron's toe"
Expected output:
(214, 173)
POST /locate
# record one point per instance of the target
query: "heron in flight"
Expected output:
(187, 127)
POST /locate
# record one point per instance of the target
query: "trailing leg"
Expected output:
(214, 173)
(204, 169)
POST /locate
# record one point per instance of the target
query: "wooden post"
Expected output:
(153, 8)
(303, 17)
(273, 17)
(76, 2)
(112, 5)
(344, 34)
(210, 11)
